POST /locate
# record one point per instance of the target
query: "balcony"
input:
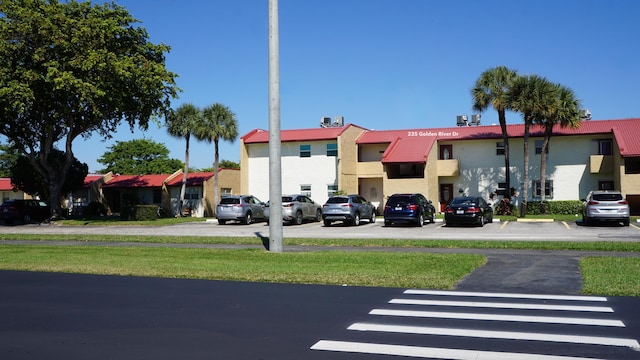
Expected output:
(370, 168)
(601, 164)
(450, 167)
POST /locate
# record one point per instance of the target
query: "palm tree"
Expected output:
(492, 88)
(180, 124)
(565, 113)
(532, 96)
(219, 122)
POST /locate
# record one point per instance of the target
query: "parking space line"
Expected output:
(566, 225)
(504, 224)
(635, 226)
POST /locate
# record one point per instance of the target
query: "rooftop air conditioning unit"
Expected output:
(325, 121)
(338, 121)
(585, 114)
(475, 119)
(462, 120)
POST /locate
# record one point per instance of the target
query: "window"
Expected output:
(446, 152)
(305, 150)
(548, 189)
(500, 148)
(305, 190)
(605, 185)
(225, 191)
(332, 189)
(539, 147)
(332, 149)
(502, 189)
(157, 196)
(605, 147)
(632, 165)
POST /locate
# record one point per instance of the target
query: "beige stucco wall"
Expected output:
(244, 168)
(348, 159)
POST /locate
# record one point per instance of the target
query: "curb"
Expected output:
(534, 220)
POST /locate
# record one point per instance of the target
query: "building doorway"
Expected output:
(446, 195)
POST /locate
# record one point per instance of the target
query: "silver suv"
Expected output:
(605, 205)
(349, 209)
(243, 208)
(297, 208)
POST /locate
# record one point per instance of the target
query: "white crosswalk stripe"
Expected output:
(494, 318)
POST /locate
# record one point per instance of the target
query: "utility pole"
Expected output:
(275, 166)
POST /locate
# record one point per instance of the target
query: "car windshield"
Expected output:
(229, 201)
(464, 201)
(338, 200)
(607, 197)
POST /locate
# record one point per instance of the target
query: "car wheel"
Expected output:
(420, 220)
(585, 220)
(298, 219)
(247, 218)
(318, 215)
(490, 220)
(221, 222)
(356, 220)
(26, 219)
(373, 218)
(432, 218)
(327, 223)
(481, 222)
(625, 222)
(387, 223)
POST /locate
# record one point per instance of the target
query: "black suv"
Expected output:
(25, 211)
(408, 208)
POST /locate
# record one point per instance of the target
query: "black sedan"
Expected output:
(468, 210)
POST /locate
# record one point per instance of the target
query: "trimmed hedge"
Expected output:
(139, 212)
(563, 207)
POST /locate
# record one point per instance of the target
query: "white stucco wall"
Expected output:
(319, 170)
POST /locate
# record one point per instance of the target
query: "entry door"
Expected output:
(446, 195)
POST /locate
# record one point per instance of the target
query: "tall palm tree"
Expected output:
(532, 96)
(180, 124)
(565, 112)
(219, 122)
(492, 89)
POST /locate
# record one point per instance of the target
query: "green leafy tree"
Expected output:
(219, 122)
(139, 157)
(224, 164)
(493, 89)
(70, 69)
(564, 112)
(533, 97)
(8, 157)
(180, 123)
(25, 178)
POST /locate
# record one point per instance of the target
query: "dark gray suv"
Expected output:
(349, 209)
(408, 208)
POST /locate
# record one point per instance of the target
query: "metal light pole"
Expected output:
(275, 170)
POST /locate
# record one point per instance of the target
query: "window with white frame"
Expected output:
(500, 148)
(332, 149)
(332, 189)
(305, 150)
(225, 191)
(548, 189)
(605, 147)
(305, 189)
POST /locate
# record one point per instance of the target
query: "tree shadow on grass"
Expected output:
(265, 240)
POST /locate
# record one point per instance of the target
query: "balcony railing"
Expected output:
(601, 164)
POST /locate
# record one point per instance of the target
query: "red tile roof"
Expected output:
(192, 179)
(5, 184)
(89, 179)
(413, 145)
(136, 181)
(262, 136)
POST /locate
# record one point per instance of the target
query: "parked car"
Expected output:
(468, 210)
(243, 208)
(349, 209)
(408, 208)
(24, 211)
(605, 205)
(297, 208)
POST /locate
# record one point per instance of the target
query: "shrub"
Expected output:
(139, 212)
(561, 207)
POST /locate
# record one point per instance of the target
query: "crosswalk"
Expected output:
(434, 324)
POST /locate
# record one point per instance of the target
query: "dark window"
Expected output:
(548, 188)
(500, 148)
(605, 147)
(157, 196)
(605, 185)
(539, 147)
(305, 150)
(632, 165)
(332, 149)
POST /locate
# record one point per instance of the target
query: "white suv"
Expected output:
(605, 205)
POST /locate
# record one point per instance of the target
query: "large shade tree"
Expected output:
(533, 97)
(564, 112)
(71, 69)
(180, 124)
(138, 157)
(219, 123)
(492, 89)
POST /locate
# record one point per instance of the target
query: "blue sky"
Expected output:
(382, 64)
